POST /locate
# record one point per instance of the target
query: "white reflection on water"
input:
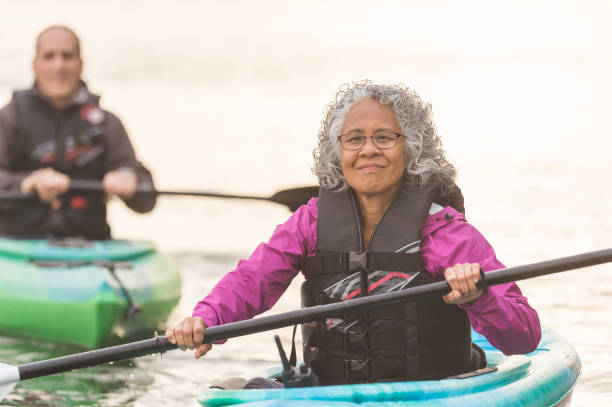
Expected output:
(228, 97)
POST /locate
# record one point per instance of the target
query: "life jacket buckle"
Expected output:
(356, 341)
(358, 261)
(357, 369)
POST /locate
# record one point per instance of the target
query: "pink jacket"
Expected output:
(502, 315)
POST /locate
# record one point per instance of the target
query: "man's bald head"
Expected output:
(77, 42)
(57, 65)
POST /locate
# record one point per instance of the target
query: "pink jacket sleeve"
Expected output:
(258, 282)
(503, 314)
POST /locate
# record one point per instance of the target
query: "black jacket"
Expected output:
(82, 141)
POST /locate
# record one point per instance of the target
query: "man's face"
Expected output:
(57, 66)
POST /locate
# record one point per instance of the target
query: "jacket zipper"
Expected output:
(379, 222)
(357, 218)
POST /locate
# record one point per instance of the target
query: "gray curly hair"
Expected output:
(425, 159)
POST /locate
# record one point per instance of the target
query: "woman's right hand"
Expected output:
(189, 334)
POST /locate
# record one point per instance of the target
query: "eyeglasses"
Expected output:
(383, 140)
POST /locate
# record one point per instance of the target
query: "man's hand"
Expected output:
(122, 183)
(48, 184)
(462, 279)
(189, 334)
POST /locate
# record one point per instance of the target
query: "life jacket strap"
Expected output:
(368, 370)
(402, 366)
(344, 261)
(353, 342)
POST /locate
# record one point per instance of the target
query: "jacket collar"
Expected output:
(82, 97)
(441, 218)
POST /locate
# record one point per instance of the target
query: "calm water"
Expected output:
(229, 97)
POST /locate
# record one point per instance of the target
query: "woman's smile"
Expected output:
(370, 167)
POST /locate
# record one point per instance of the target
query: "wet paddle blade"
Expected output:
(296, 197)
(9, 376)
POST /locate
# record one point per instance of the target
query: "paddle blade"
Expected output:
(296, 197)
(9, 376)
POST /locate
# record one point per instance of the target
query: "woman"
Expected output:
(383, 175)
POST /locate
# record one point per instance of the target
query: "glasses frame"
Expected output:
(397, 137)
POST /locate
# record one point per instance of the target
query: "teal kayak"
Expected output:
(545, 377)
(85, 293)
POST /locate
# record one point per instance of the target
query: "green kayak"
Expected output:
(545, 377)
(86, 293)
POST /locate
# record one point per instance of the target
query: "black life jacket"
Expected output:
(69, 141)
(423, 340)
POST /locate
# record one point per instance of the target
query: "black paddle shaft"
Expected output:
(292, 198)
(161, 344)
(95, 357)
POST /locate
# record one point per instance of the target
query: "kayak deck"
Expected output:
(545, 377)
(71, 295)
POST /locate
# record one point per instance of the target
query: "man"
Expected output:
(55, 132)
